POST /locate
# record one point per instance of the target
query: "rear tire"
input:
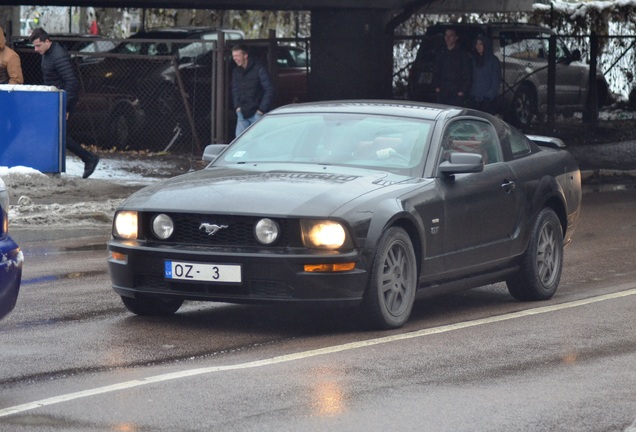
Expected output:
(541, 264)
(524, 107)
(152, 306)
(393, 281)
(118, 131)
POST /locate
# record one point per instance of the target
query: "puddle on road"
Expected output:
(51, 250)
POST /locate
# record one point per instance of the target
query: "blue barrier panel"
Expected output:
(33, 127)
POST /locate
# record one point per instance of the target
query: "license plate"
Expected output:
(203, 272)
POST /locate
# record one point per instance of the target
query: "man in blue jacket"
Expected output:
(58, 71)
(252, 89)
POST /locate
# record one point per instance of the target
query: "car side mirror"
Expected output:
(212, 151)
(462, 163)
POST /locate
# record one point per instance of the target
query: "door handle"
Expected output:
(508, 186)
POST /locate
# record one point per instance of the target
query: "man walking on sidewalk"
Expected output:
(58, 71)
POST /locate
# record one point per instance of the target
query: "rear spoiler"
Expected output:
(546, 141)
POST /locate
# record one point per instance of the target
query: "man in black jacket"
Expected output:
(58, 71)
(252, 89)
(452, 72)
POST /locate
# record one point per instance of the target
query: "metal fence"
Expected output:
(611, 60)
(165, 95)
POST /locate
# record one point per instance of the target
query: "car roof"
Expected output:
(483, 28)
(178, 32)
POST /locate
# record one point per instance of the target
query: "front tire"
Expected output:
(541, 264)
(393, 281)
(152, 306)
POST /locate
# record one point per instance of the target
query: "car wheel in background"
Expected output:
(118, 131)
(524, 106)
(542, 262)
(393, 281)
(152, 306)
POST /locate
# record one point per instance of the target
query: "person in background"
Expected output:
(252, 89)
(486, 76)
(452, 72)
(58, 71)
(10, 67)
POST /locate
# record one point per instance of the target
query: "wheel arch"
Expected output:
(416, 239)
(550, 194)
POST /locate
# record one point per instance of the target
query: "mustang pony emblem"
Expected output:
(211, 229)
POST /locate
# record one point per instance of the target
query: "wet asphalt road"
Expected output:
(72, 358)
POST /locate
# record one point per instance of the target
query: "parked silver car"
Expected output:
(523, 52)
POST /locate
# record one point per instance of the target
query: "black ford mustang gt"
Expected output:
(369, 203)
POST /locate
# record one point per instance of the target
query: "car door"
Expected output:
(571, 77)
(524, 59)
(481, 210)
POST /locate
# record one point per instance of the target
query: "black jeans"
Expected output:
(75, 148)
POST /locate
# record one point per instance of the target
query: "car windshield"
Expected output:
(364, 140)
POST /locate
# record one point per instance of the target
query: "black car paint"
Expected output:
(455, 249)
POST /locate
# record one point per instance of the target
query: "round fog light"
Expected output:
(162, 226)
(266, 231)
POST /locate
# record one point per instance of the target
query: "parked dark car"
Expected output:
(12, 259)
(144, 71)
(80, 46)
(361, 203)
(132, 94)
(523, 52)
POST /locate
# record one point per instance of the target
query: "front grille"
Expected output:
(239, 231)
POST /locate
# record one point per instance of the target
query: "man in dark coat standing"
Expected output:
(452, 73)
(252, 89)
(58, 71)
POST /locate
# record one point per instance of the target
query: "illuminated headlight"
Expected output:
(266, 231)
(162, 226)
(125, 225)
(323, 234)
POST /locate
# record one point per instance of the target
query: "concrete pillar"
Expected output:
(351, 55)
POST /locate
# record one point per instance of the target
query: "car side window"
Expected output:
(471, 136)
(299, 56)
(524, 45)
(284, 59)
(519, 145)
(562, 52)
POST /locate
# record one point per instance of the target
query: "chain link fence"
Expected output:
(612, 56)
(164, 94)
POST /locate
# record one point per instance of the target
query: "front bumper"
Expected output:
(266, 276)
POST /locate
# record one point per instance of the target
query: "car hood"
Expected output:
(266, 189)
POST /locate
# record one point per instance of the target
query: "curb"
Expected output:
(611, 175)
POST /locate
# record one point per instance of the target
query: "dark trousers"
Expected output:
(78, 150)
(75, 148)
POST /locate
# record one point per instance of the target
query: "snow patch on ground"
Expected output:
(46, 200)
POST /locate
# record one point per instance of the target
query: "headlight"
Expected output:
(266, 231)
(125, 225)
(323, 234)
(162, 226)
